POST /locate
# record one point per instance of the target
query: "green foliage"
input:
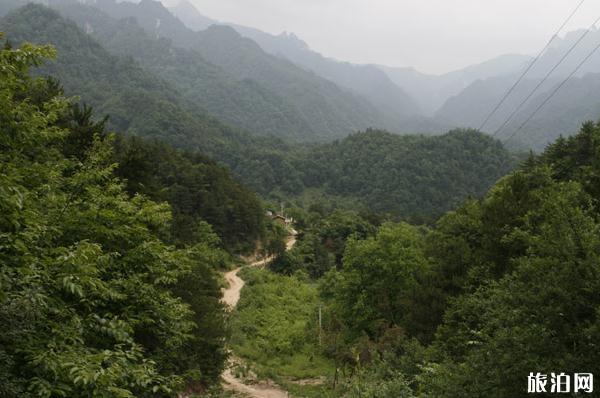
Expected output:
(88, 303)
(501, 287)
(197, 189)
(527, 280)
(234, 78)
(417, 178)
(542, 315)
(411, 177)
(274, 240)
(105, 292)
(381, 379)
(378, 280)
(322, 242)
(274, 325)
(243, 103)
(140, 103)
(228, 75)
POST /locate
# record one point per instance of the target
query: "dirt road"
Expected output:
(231, 296)
(255, 391)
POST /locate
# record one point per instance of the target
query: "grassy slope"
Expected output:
(275, 328)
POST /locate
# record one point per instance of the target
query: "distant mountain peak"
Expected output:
(293, 39)
(152, 5)
(191, 17)
(186, 6)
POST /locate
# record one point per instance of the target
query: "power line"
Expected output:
(564, 57)
(554, 92)
(537, 57)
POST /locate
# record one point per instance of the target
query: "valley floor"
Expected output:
(231, 296)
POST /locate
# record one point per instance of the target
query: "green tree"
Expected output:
(87, 302)
(379, 278)
(541, 317)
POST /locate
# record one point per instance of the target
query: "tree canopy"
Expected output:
(95, 301)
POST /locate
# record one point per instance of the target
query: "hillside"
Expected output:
(112, 277)
(475, 102)
(399, 108)
(327, 111)
(573, 104)
(240, 103)
(99, 297)
(331, 111)
(563, 114)
(411, 177)
(365, 80)
(576, 102)
(153, 245)
(140, 103)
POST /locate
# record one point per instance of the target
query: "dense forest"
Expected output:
(111, 247)
(247, 87)
(97, 299)
(500, 286)
(139, 102)
(372, 265)
(412, 177)
(277, 85)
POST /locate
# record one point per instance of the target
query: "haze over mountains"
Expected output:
(275, 85)
(151, 88)
(146, 169)
(462, 98)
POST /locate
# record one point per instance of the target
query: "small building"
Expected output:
(282, 220)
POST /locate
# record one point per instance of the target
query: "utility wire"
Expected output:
(564, 57)
(531, 64)
(554, 92)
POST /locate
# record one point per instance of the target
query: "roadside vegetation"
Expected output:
(275, 330)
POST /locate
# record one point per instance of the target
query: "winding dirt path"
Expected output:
(231, 296)
(262, 390)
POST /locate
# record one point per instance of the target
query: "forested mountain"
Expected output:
(400, 109)
(325, 111)
(576, 101)
(141, 104)
(275, 85)
(233, 77)
(563, 114)
(474, 103)
(332, 111)
(135, 99)
(500, 283)
(416, 266)
(366, 80)
(138, 103)
(238, 102)
(414, 177)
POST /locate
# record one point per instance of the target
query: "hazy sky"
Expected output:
(432, 35)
